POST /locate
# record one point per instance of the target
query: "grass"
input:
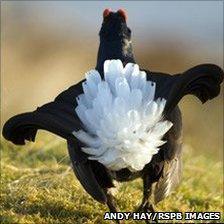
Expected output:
(38, 186)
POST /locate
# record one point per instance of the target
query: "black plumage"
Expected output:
(58, 117)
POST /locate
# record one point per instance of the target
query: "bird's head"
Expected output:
(114, 26)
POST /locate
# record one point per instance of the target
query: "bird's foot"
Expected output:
(147, 207)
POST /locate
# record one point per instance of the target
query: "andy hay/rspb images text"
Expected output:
(206, 216)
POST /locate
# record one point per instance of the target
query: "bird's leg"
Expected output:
(146, 205)
(147, 191)
(111, 202)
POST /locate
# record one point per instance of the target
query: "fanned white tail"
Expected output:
(123, 123)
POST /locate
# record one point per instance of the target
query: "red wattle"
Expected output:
(123, 13)
(106, 13)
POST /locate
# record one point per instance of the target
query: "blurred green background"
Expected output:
(48, 46)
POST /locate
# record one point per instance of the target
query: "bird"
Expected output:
(121, 122)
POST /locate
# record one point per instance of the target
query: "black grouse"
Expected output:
(96, 170)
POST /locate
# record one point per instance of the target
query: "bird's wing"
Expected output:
(59, 117)
(171, 153)
(202, 81)
(169, 179)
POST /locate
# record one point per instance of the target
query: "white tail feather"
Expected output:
(123, 121)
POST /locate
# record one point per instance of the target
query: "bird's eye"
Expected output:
(106, 13)
(122, 13)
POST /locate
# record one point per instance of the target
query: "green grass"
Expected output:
(38, 186)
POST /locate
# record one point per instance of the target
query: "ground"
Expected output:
(38, 186)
